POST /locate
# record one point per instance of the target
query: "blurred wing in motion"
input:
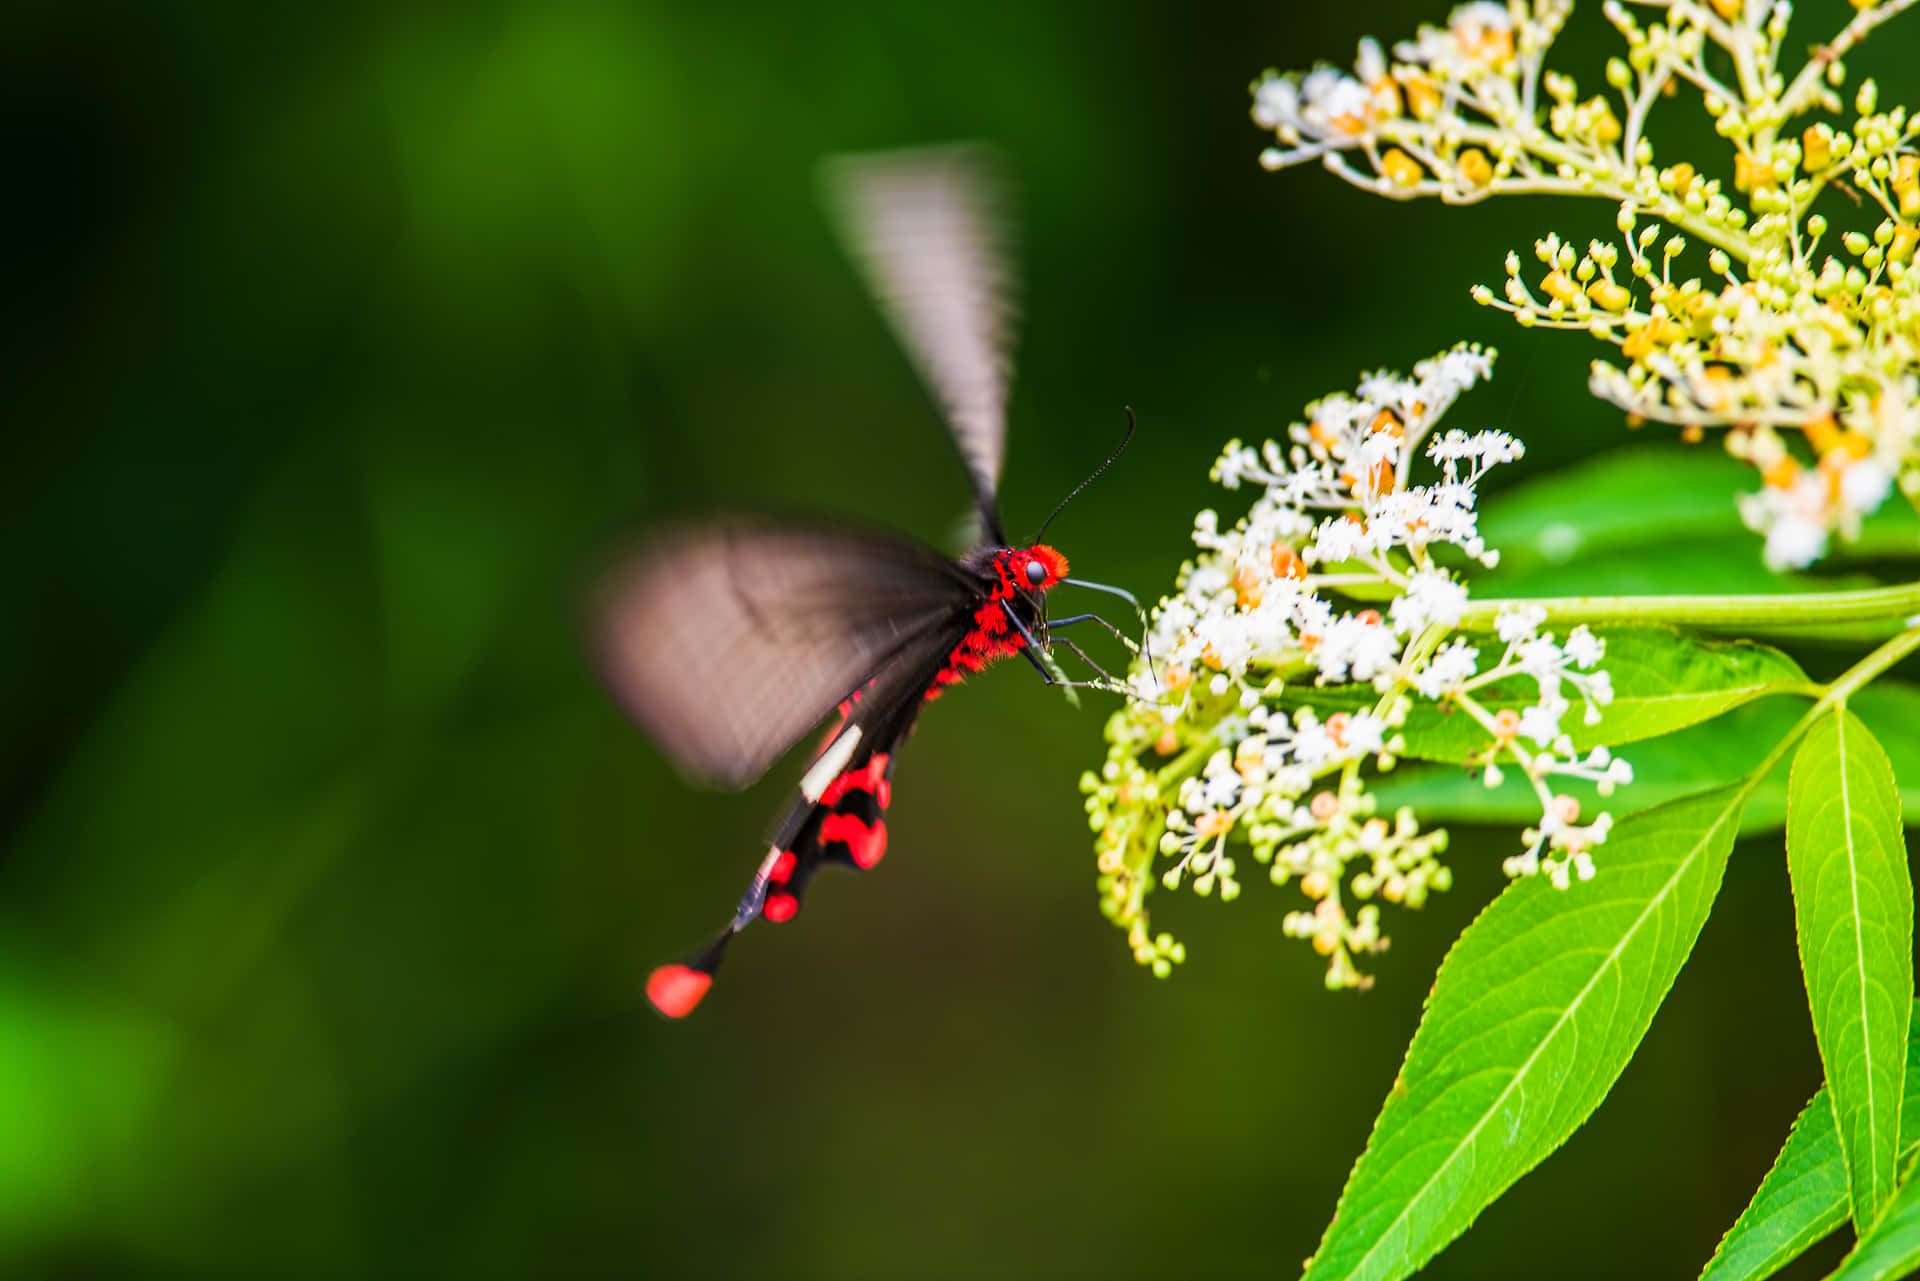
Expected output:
(925, 228)
(728, 641)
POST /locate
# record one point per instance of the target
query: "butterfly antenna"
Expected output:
(1124, 441)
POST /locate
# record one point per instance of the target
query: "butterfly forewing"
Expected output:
(926, 229)
(729, 641)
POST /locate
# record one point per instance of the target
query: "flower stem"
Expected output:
(1773, 611)
(1843, 687)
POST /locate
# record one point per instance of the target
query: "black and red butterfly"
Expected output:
(729, 640)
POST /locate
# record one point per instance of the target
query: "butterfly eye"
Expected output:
(1036, 573)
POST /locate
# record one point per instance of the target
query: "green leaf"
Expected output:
(1804, 1196)
(1853, 901)
(1664, 679)
(1891, 709)
(1630, 498)
(1721, 566)
(1891, 1249)
(1711, 754)
(1533, 1016)
(1623, 505)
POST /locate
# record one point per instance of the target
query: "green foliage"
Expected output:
(1664, 680)
(1805, 1194)
(1535, 1012)
(1805, 364)
(1853, 898)
(1632, 507)
(347, 339)
(1890, 1249)
(1625, 501)
(1710, 754)
(1610, 524)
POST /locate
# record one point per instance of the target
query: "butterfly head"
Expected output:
(1032, 569)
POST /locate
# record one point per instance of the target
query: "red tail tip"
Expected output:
(676, 989)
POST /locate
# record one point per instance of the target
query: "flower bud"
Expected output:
(1400, 168)
(1475, 168)
(1607, 294)
(1816, 148)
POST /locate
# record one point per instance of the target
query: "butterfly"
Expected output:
(728, 640)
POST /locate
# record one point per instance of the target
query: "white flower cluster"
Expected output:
(1800, 508)
(1337, 512)
(1278, 614)
(1559, 842)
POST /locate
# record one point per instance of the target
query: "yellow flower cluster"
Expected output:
(1800, 342)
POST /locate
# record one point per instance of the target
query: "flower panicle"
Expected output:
(1289, 658)
(1798, 343)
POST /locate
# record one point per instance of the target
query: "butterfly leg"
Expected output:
(1106, 683)
(1054, 624)
(1146, 629)
(1082, 655)
(1057, 623)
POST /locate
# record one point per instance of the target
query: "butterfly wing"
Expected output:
(925, 228)
(727, 641)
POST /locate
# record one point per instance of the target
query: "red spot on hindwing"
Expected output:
(866, 845)
(782, 868)
(780, 907)
(872, 777)
(675, 989)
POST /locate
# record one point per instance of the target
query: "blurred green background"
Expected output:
(339, 343)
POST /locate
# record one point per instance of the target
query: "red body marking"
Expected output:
(990, 638)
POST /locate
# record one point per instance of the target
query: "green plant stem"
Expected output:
(1786, 610)
(1803, 94)
(1851, 681)
(1837, 692)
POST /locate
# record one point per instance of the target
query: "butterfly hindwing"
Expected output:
(845, 826)
(839, 817)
